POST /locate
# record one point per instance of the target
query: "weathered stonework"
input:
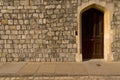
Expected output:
(44, 30)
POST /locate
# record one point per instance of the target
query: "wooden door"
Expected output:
(92, 34)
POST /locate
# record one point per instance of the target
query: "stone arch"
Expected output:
(107, 9)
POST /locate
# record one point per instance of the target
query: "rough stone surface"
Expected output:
(63, 78)
(42, 30)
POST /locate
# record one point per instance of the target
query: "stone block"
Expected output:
(20, 7)
(49, 12)
(50, 6)
(37, 59)
(2, 32)
(34, 21)
(31, 11)
(11, 7)
(40, 21)
(20, 32)
(9, 41)
(35, 37)
(65, 41)
(4, 21)
(19, 36)
(24, 45)
(32, 41)
(11, 27)
(27, 59)
(65, 59)
(7, 45)
(16, 2)
(18, 27)
(16, 11)
(74, 45)
(40, 55)
(19, 46)
(16, 41)
(32, 32)
(65, 50)
(10, 22)
(28, 41)
(53, 16)
(14, 32)
(12, 36)
(15, 55)
(29, 46)
(1, 2)
(74, 1)
(59, 6)
(35, 15)
(32, 59)
(45, 55)
(62, 20)
(23, 27)
(4, 37)
(23, 36)
(1, 46)
(34, 7)
(1, 41)
(27, 7)
(26, 32)
(72, 41)
(26, 21)
(69, 46)
(22, 41)
(42, 59)
(20, 16)
(21, 21)
(41, 15)
(47, 59)
(16, 59)
(60, 24)
(3, 59)
(59, 60)
(4, 11)
(4, 7)
(14, 16)
(9, 59)
(44, 21)
(24, 2)
(53, 59)
(10, 50)
(35, 46)
(15, 22)
(72, 50)
(50, 33)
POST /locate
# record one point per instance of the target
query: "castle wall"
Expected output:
(46, 30)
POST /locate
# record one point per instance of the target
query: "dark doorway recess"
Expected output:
(92, 34)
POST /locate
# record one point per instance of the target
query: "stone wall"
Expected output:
(44, 30)
(41, 30)
(116, 27)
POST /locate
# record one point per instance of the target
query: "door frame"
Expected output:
(107, 9)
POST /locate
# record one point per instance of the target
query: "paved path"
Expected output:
(88, 70)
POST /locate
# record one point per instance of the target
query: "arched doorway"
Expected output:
(92, 34)
(108, 33)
